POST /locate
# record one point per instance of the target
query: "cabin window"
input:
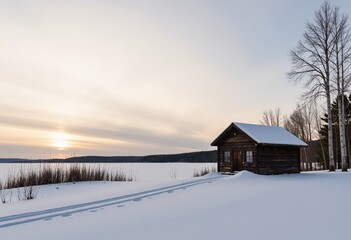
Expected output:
(227, 156)
(249, 156)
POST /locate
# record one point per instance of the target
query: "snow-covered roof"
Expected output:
(267, 134)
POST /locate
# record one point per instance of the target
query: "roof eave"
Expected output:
(215, 142)
(289, 145)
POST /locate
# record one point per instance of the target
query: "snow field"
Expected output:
(244, 206)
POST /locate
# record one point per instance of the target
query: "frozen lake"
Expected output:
(139, 171)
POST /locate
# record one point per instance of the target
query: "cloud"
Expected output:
(138, 77)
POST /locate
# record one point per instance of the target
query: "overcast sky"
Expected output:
(141, 77)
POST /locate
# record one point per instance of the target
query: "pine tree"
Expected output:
(336, 135)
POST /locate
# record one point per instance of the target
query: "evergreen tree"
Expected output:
(335, 127)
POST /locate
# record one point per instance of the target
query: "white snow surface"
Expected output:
(313, 205)
(269, 134)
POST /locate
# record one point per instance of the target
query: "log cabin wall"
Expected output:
(273, 159)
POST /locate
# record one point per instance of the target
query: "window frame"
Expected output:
(226, 156)
(249, 158)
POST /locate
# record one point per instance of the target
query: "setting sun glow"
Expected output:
(60, 140)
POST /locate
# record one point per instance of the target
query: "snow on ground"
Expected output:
(309, 206)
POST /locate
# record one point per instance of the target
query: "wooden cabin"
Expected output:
(259, 149)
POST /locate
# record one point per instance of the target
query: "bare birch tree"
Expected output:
(341, 64)
(311, 61)
(301, 123)
(296, 124)
(272, 118)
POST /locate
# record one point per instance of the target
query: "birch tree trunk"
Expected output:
(330, 135)
(341, 55)
(345, 39)
(344, 164)
(342, 133)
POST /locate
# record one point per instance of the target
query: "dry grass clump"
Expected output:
(204, 170)
(27, 179)
(61, 173)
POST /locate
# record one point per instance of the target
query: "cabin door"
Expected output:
(237, 161)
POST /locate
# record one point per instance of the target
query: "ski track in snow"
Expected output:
(67, 211)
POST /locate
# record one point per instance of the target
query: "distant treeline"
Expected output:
(193, 157)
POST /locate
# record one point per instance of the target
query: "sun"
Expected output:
(60, 140)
